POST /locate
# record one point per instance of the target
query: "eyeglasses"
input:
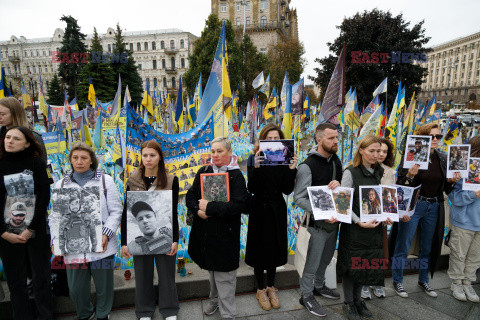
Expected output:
(438, 136)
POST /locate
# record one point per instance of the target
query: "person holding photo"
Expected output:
(152, 175)
(429, 214)
(361, 241)
(386, 159)
(267, 239)
(464, 240)
(20, 152)
(97, 265)
(215, 237)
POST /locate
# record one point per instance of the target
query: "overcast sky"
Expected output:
(317, 20)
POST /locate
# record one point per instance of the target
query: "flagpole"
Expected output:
(223, 115)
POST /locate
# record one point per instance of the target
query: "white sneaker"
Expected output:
(366, 293)
(470, 293)
(458, 291)
(171, 318)
(146, 318)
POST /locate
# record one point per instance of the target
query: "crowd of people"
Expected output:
(214, 243)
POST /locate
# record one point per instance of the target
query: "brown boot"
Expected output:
(263, 300)
(274, 301)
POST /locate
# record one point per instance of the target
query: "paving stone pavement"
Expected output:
(417, 306)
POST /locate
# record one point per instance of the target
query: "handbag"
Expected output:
(301, 249)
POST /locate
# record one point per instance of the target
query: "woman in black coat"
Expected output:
(267, 240)
(215, 237)
(24, 196)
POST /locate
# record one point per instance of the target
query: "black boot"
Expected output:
(351, 311)
(362, 309)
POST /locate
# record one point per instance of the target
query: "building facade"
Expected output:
(161, 56)
(454, 72)
(267, 22)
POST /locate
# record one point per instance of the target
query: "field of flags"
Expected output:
(184, 128)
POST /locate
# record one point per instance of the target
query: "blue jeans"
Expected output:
(426, 215)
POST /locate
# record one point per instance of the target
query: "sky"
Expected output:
(317, 19)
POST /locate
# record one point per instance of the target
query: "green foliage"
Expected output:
(376, 31)
(286, 56)
(128, 71)
(72, 43)
(55, 93)
(102, 74)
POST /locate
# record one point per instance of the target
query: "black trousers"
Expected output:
(14, 263)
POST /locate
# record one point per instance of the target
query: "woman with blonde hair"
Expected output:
(429, 214)
(361, 240)
(13, 114)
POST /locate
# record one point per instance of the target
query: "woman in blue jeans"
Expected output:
(429, 215)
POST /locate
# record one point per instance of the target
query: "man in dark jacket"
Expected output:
(322, 167)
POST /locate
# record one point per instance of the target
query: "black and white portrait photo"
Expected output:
(277, 152)
(417, 151)
(19, 184)
(18, 213)
(76, 221)
(215, 187)
(149, 222)
(321, 200)
(458, 155)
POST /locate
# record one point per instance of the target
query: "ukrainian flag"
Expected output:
(91, 92)
(287, 114)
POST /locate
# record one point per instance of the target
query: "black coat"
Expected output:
(267, 239)
(440, 228)
(357, 243)
(215, 242)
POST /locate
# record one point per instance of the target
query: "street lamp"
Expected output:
(35, 116)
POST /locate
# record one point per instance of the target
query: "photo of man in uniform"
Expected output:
(342, 202)
(18, 212)
(155, 240)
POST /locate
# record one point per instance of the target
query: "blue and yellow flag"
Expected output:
(91, 92)
(147, 99)
(179, 104)
(98, 134)
(266, 87)
(26, 100)
(287, 114)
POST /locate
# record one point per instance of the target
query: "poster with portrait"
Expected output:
(413, 201)
(321, 200)
(472, 181)
(277, 152)
(343, 200)
(20, 201)
(370, 203)
(75, 220)
(215, 187)
(149, 222)
(417, 151)
(457, 160)
(390, 203)
(404, 194)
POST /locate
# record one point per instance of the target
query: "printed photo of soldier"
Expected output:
(19, 184)
(215, 187)
(342, 200)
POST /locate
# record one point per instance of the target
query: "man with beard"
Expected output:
(18, 212)
(322, 167)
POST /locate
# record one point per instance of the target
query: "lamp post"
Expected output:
(34, 110)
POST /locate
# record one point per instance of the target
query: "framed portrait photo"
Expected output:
(215, 187)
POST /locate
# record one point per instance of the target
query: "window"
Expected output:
(182, 44)
(154, 82)
(174, 83)
(38, 54)
(182, 62)
(247, 21)
(139, 46)
(162, 44)
(164, 82)
(113, 47)
(109, 48)
(31, 53)
(44, 53)
(25, 53)
(238, 6)
(163, 64)
(154, 45)
(34, 69)
(139, 67)
(154, 64)
(131, 47)
(145, 46)
(248, 5)
(172, 44)
(223, 7)
(237, 21)
(172, 63)
(263, 4)
(263, 21)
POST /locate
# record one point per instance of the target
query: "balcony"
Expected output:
(171, 50)
(171, 70)
(14, 59)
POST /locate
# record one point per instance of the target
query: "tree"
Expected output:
(286, 56)
(202, 57)
(376, 31)
(126, 68)
(102, 75)
(55, 93)
(72, 52)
